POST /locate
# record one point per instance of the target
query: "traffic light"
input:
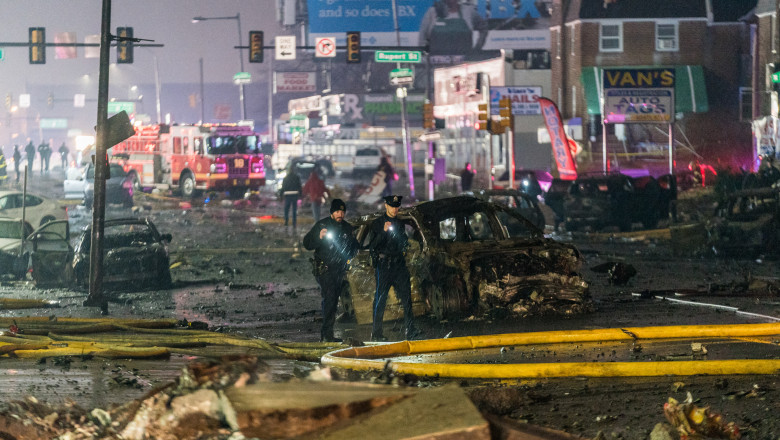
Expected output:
(50, 100)
(255, 46)
(8, 100)
(37, 45)
(124, 45)
(483, 117)
(353, 47)
(428, 120)
(505, 112)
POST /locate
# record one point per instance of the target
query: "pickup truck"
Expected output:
(366, 161)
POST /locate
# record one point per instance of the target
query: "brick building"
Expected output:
(706, 43)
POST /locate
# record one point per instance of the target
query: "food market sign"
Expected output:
(638, 95)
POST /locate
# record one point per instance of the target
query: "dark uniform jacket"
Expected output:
(390, 245)
(336, 248)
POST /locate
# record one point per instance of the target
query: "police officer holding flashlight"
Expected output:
(334, 245)
(387, 246)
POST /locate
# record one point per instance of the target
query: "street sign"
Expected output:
(642, 95)
(242, 78)
(325, 47)
(775, 76)
(298, 123)
(397, 56)
(395, 73)
(1, 54)
(401, 80)
(118, 106)
(285, 47)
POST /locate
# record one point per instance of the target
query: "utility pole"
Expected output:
(95, 297)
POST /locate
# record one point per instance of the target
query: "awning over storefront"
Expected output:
(690, 92)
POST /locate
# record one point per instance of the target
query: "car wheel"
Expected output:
(47, 219)
(187, 185)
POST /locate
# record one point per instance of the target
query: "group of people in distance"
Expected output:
(43, 150)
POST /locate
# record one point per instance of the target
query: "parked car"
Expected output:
(470, 256)
(135, 253)
(119, 185)
(366, 161)
(38, 209)
(747, 224)
(522, 203)
(614, 200)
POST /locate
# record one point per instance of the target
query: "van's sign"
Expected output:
(638, 95)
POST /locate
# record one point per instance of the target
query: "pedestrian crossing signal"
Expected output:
(428, 119)
(37, 45)
(255, 46)
(353, 47)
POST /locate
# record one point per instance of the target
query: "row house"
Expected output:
(707, 46)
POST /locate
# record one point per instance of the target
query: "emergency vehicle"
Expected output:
(192, 158)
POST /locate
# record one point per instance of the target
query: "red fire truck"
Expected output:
(192, 158)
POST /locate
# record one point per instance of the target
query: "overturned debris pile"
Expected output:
(233, 399)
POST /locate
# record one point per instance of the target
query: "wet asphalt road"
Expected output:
(269, 293)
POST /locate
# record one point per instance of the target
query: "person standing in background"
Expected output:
(29, 149)
(291, 192)
(316, 191)
(63, 150)
(3, 169)
(45, 152)
(466, 177)
(17, 161)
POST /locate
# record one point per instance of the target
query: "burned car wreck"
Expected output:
(746, 224)
(473, 257)
(135, 255)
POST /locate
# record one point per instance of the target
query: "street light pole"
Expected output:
(237, 17)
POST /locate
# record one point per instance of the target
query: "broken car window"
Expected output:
(512, 226)
(479, 227)
(447, 229)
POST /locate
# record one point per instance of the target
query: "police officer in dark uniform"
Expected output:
(334, 245)
(387, 246)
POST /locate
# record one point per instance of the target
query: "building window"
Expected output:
(611, 37)
(666, 37)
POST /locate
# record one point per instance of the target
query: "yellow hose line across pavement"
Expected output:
(375, 357)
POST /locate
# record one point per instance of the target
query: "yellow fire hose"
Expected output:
(375, 357)
(38, 337)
